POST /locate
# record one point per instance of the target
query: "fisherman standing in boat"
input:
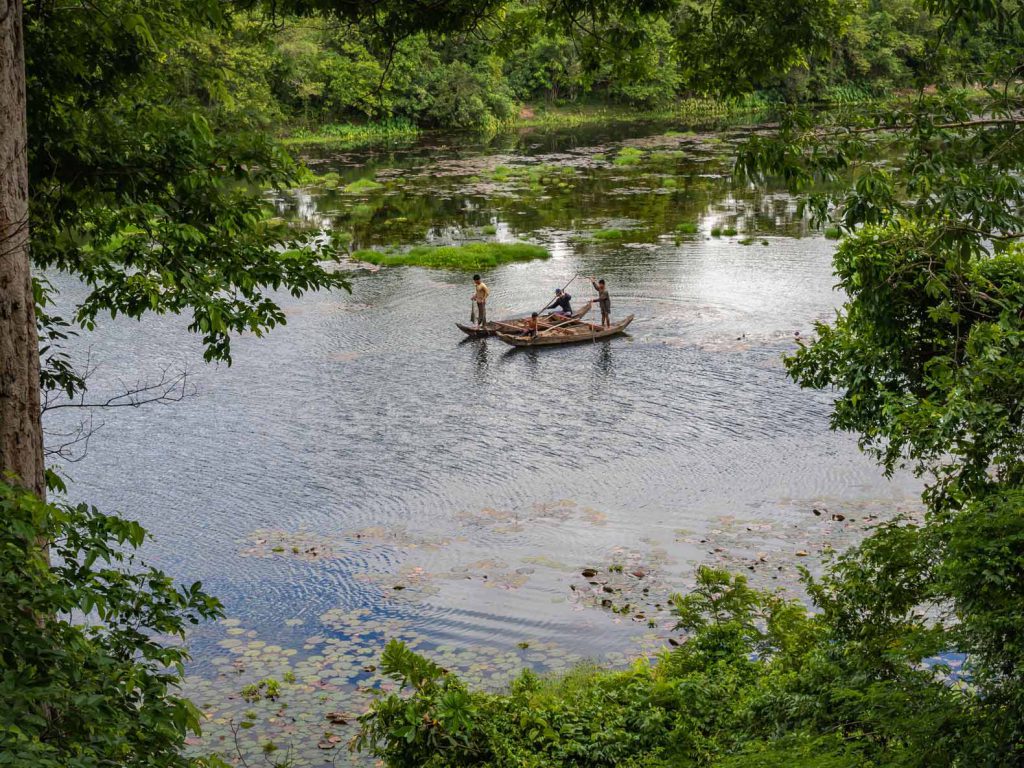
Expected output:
(603, 300)
(480, 295)
(561, 303)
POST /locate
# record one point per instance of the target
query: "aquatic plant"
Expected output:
(716, 231)
(833, 233)
(362, 185)
(489, 229)
(349, 135)
(468, 256)
(687, 228)
(610, 234)
(628, 156)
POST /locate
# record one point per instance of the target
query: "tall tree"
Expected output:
(21, 439)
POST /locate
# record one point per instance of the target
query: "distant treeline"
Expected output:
(315, 71)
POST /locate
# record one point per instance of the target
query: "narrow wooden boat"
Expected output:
(570, 333)
(518, 324)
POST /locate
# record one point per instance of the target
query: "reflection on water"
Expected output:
(364, 472)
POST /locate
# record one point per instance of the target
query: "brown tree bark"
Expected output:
(21, 433)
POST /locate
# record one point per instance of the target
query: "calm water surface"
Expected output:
(365, 472)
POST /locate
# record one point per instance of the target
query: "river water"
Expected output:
(365, 472)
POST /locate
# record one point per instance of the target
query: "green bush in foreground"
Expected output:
(759, 682)
(76, 694)
(469, 256)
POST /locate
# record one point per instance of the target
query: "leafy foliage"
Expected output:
(87, 675)
(760, 681)
(137, 191)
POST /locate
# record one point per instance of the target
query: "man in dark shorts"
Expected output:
(561, 303)
(480, 294)
(603, 300)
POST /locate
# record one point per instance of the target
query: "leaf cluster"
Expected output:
(90, 646)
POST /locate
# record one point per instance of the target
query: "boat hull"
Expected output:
(574, 334)
(509, 326)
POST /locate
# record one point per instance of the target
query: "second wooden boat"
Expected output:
(518, 325)
(570, 333)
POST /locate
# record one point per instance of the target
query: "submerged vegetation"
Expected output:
(470, 256)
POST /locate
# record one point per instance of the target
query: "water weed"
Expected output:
(628, 156)
(362, 185)
(468, 256)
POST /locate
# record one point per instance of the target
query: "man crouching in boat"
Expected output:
(562, 303)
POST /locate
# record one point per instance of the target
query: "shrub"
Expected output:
(98, 693)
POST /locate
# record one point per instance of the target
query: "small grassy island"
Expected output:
(469, 256)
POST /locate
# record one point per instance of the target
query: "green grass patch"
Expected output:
(687, 228)
(669, 183)
(360, 186)
(716, 231)
(833, 233)
(489, 229)
(349, 136)
(469, 256)
(729, 232)
(610, 234)
(628, 156)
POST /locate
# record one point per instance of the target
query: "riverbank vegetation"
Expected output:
(339, 84)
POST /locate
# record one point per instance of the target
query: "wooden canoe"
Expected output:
(571, 333)
(515, 325)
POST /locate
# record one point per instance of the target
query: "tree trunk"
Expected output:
(21, 433)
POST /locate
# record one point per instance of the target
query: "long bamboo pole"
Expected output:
(563, 291)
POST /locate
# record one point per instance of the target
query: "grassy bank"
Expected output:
(352, 136)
